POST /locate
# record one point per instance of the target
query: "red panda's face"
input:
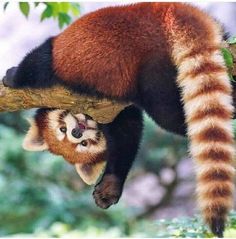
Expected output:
(75, 137)
(74, 131)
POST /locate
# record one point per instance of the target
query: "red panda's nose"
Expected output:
(76, 133)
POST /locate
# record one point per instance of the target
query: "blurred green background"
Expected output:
(41, 194)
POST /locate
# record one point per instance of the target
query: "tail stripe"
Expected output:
(209, 87)
(214, 134)
(221, 154)
(205, 68)
(217, 190)
(217, 111)
(195, 52)
(206, 102)
(216, 175)
(194, 85)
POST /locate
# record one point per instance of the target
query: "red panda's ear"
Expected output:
(33, 141)
(90, 172)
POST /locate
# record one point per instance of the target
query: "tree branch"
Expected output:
(103, 111)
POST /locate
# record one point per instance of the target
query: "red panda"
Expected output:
(89, 145)
(74, 137)
(153, 55)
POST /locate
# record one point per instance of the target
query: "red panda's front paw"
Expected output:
(8, 79)
(108, 191)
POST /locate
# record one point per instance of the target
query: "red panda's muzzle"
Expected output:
(77, 133)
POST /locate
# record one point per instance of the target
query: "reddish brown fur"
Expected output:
(216, 110)
(219, 154)
(215, 134)
(119, 41)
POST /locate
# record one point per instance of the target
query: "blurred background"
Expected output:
(41, 194)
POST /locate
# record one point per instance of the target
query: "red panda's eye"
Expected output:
(84, 143)
(63, 129)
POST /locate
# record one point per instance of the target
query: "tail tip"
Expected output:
(218, 227)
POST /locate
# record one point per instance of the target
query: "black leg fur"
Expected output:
(35, 71)
(123, 135)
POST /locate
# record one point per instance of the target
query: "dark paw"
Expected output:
(218, 226)
(8, 79)
(108, 191)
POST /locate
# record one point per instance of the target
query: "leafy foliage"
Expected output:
(228, 57)
(192, 227)
(25, 8)
(60, 11)
(229, 61)
(232, 40)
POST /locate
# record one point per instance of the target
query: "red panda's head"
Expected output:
(75, 137)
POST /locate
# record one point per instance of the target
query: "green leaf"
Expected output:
(232, 40)
(231, 78)
(47, 13)
(227, 57)
(234, 126)
(36, 4)
(63, 19)
(25, 8)
(5, 6)
(55, 8)
(75, 9)
(64, 7)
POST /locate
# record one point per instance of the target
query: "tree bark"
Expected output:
(103, 111)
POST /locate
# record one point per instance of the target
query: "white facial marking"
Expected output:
(80, 117)
(54, 124)
(88, 134)
(71, 123)
(92, 124)
(60, 135)
(53, 118)
(93, 148)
